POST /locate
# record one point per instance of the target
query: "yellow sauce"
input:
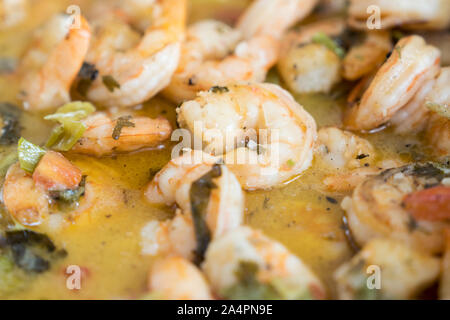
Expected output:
(105, 240)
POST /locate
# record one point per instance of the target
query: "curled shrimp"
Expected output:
(264, 136)
(53, 173)
(216, 54)
(405, 272)
(419, 14)
(52, 62)
(410, 65)
(139, 67)
(245, 255)
(385, 205)
(273, 17)
(105, 135)
(438, 127)
(364, 58)
(173, 185)
(308, 67)
(174, 278)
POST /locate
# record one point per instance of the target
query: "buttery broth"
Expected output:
(105, 240)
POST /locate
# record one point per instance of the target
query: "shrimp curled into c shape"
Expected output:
(141, 69)
(173, 185)
(29, 198)
(264, 136)
(410, 65)
(52, 62)
(206, 60)
(391, 205)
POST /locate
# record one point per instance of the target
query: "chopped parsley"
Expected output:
(120, 124)
(110, 83)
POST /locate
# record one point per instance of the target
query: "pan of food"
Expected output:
(225, 149)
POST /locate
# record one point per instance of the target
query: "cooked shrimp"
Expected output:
(419, 14)
(273, 17)
(175, 278)
(264, 135)
(138, 66)
(401, 272)
(310, 67)
(412, 118)
(341, 149)
(352, 157)
(215, 54)
(239, 259)
(105, 135)
(441, 89)
(52, 62)
(381, 207)
(410, 65)
(53, 173)
(415, 115)
(444, 286)
(173, 185)
(438, 128)
(366, 57)
(29, 210)
(347, 180)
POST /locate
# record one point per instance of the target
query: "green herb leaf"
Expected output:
(397, 35)
(69, 197)
(323, 39)
(65, 136)
(219, 89)
(110, 83)
(291, 163)
(29, 155)
(88, 73)
(32, 251)
(72, 111)
(441, 109)
(248, 287)
(71, 129)
(398, 49)
(121, 123)
(199, 197)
